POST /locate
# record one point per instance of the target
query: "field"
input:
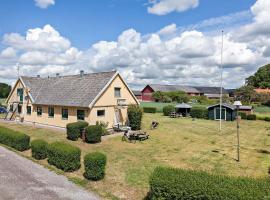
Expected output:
(182, 143)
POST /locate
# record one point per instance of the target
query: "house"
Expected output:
(262, 91)
(137, 94)
(228, 111)
(59, 100)
(210, 92)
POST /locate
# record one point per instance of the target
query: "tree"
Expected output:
(261, 79)
(245, 94)
(4, 90)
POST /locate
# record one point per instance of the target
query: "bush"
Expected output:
(267, 119)
(14, 139)
(74, 129)
(197, 112)
(93, 133)
(251, 117)
(168, 109)
(94, 164)
(150, 109)
(134, 116)
(242, 115)
(39, 149)
(170, 184)
(104, 126)
(64, 156)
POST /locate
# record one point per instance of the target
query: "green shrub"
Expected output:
(170, 184)
(251, 117)
(134, 116)
(150, 109)
(14, 139)
(197, 112)
(93, 133)
(94, 164)
(74, 129)
(242, 115)
(104, 126)
(168, 109)
(267, 119)
(64, 156)
(39, 149)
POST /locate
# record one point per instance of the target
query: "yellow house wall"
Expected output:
(107, 101)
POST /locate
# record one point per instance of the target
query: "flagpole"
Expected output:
(221, 77)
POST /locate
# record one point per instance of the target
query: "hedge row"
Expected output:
(64, 156)
(251, 117)
(170, 184)
(149, 109)
(94, 164)
(167, 110)
(14, 139)
(74, 129)
(197, 112)
(39, 149)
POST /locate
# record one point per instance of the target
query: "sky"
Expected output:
(147, 41)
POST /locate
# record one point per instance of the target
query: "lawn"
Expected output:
(182, 143)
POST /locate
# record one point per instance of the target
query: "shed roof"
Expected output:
(74, 90)
(183, 105)
(230, 106)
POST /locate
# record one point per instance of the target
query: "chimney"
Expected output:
(81, 73)
(38, 76)
(57, 75)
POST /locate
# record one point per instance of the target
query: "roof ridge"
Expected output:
(70, 75)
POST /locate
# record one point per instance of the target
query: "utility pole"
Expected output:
(221, 71)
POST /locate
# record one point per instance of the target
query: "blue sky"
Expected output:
(86, 22)
(148, 41)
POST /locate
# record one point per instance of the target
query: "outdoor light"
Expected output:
(237, 104)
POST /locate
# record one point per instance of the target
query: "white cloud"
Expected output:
(167, 56)
(163, 7)
(44, 3)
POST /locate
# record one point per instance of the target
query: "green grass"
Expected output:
(262, 109)
(181, 143)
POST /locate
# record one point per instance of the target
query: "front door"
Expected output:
(217, 113)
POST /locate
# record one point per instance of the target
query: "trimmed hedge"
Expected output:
(149, 109)
(267, 119)
(197, 112)
(168, 109)
(135, 116)
(93, 133)
(14, 139)
(39, 149)
(170, 184)
(64, 156)
(242, 115)
(74, 129)
(94, 164)
(251, 117)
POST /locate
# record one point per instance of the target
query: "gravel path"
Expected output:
(22, 179)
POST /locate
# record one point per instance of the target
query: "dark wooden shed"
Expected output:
(228, 112)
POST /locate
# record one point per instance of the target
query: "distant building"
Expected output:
(262, 91)
(137, 94)
(210, 92)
